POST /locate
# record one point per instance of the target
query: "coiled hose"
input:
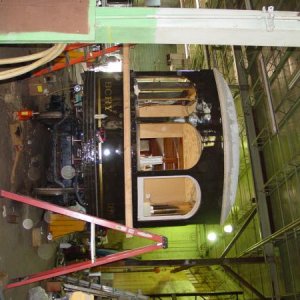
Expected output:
(41, 58)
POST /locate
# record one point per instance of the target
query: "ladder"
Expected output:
(160, 241)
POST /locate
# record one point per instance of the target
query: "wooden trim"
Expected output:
(156, 111)
(127, 138)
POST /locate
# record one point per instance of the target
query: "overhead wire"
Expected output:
(43, 58)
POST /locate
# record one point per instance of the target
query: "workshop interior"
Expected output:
(150, 149)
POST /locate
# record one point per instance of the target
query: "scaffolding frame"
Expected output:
(160, 241)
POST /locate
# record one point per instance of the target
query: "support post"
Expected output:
(127, 138)
(93, 242)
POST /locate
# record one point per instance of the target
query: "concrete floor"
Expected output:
(23, 154)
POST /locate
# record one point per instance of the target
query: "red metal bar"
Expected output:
(81, 216)
(161, 241)
(82, 266)
(75, 46)
(73, 61)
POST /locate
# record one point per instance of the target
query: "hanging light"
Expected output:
(228, 228)
(106, 152)
(212, 236)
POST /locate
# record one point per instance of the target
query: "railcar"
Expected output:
(184, 148)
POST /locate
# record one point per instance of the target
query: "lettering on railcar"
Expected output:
(108, 99)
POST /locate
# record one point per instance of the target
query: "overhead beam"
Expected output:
(188, 263)
(219, 261)
(176, 26)
(199, 26)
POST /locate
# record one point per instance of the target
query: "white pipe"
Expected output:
(20, 59)
(93, 242)
(56, 51)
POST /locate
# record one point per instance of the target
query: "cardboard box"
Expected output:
(41, 85)
(53, 286)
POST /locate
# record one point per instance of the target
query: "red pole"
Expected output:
(76, 46)
(73, 61)
(82, 265)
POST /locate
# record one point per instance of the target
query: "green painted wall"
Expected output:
(145, 57)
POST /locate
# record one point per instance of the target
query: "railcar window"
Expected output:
(167, 198)
(165, 97)
(161, 154)
(168, 146)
